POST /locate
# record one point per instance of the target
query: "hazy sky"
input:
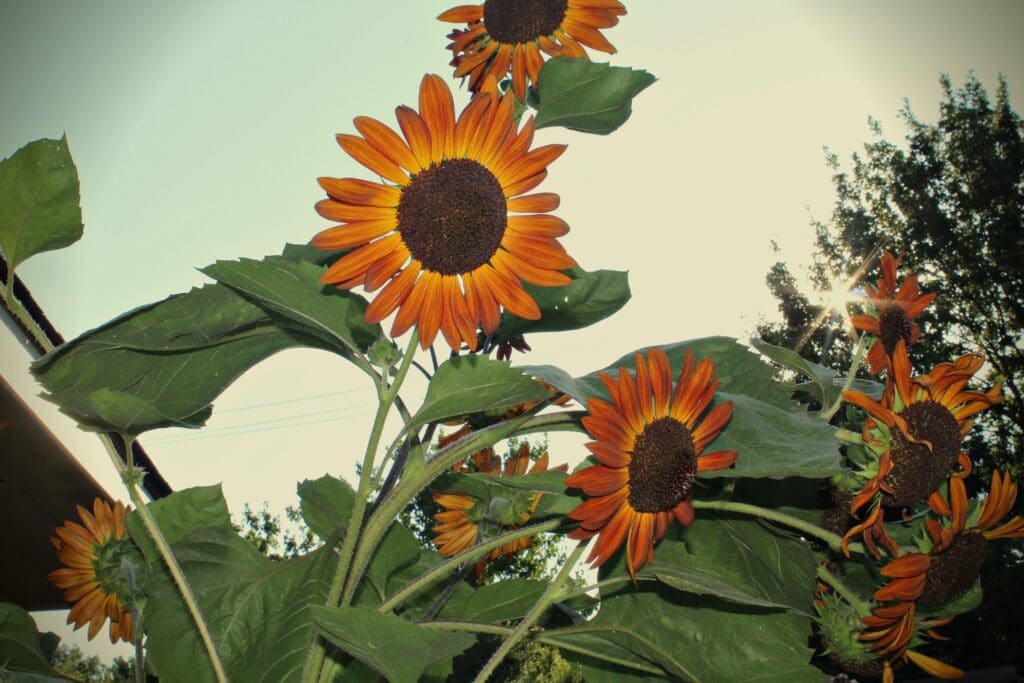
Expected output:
(199, 130)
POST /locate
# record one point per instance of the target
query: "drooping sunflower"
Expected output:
(92, 578)
(505, 36)
(464, 519)
(650, 443)
(892, 313)
(916, 431)
(943, 574)
(438, 235)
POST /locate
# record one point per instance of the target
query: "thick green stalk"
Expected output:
(386, 396)
(549, 596)
(470, 555)
(127, 473)
(834, 541)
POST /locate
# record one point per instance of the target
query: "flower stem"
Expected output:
(386, 396)
(549, 596)
(468, 556)
(833, 541)
(128, 475)
(839, 587)
(858, 355)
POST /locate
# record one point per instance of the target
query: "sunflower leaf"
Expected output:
(20, 644)
(484, 487)
(469, 384)
(163, 364)
(39, 203)
(292, 289)
(588, 299)
(326, 504)
(371, 637)
(497, 602)
(587, 96)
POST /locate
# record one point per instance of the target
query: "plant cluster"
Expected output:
(702, 494)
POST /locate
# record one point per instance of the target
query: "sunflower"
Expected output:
(92, 577)
(510, 35)
(943, 574)
(649, 447)
(916, 430)
(460, 523)
(892, 315)
(438, 235)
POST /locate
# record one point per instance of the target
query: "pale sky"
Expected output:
(199, 131)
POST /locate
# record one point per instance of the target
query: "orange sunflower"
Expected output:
(892, 317)
(916, 430)
(510, 35)
(92, 577)
(463, 518)
(650, 443)
(942, 575)
(438, 236)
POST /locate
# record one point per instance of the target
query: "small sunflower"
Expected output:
(439, 236)
(650, 443)
(892, 316)
(916, 430)
(464, 519)
(92, 577)
(505, 36)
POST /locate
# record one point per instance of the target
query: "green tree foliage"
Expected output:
(70, 661)
(950, 200)
(267, 534)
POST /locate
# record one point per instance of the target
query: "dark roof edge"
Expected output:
(153, 483)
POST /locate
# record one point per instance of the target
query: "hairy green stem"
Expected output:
(128, 474)
(858, 355)
(386, 396)
(863, 609)
(847, 436)
(833, 541)
(538, 608)
(470, 555)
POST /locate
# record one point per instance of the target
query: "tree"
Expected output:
(267, 535)
(73, 663)
(951, 202)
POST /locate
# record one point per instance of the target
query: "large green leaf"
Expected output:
(739, 371)
(773, 443)
(773, 435)
(292, 290)
(39, 208)
(691, 639)
(178, 515)
(588, 299)
(556, 501)
(587, 96)
(257, 609)
(469, 384)
(163, 364)
(20, 648)
(731, 558)
(398, 649)
(326, 504)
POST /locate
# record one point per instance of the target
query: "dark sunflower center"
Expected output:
(916, 471)
(953, 572)
(663, 466)
(523, 21)
(894, 324)
(452, 216)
